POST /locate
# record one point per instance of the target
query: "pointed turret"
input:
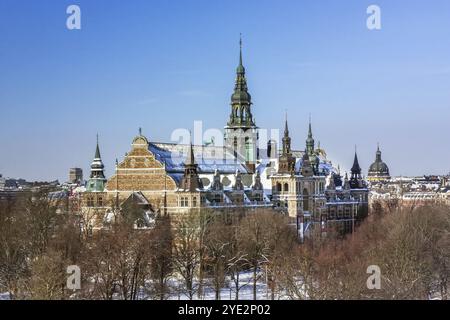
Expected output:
(238, 185)
(191, 181)
(310, 150)
(307, 169)
(217, 185)
(258, 186)
(356, 179)
(310, 140)
(346, 182)
(286, 138)
(97, 178)
(287, 161)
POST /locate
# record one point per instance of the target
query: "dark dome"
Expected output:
(379, 168)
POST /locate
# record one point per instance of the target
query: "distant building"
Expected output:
(76, 175)
(412, 191)
(2, 182)
(378, 171)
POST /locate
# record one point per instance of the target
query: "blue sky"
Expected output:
(161, 65)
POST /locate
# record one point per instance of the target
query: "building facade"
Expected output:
(164, 178)
(308, 194)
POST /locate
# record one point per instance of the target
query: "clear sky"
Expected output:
(160, 65)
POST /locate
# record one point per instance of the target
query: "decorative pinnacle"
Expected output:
(286, 128)
(240, 49)
(97, 150)
(140, 131)
(310, 135)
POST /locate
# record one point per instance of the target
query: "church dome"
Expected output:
(379, 168)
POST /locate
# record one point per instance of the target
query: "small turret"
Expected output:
(191, 181)
(217, 185)
(307, 169)
(346, 182)
(257, 186)
(356, 179)
(97, 178)
(238, 185)
(287, 161)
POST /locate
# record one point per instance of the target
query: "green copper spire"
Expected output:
(240, 69)
(286, 128)
(97, 150)
(286, 139)
(97, 178)
(310, 140)
(286, 164)
(241, 100)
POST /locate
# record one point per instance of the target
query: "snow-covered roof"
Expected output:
(208, 158)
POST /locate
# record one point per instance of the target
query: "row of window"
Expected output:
(341, 213)
(184, 202)
(285, 187)
(91, 202)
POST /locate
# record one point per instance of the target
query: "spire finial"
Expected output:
(240, 49)
(286, 128)
(191, 158)
(97, 150)
(310, 127)
(140, 131)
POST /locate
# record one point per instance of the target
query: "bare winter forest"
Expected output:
(207, 252)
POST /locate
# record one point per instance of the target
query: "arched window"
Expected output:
(286, 187)
(269, 149)
(248, 150)
(305, 200)
(235, 146)
(279, 187)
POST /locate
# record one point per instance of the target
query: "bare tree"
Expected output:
(186, 250)
(161, 262)
(14, 246)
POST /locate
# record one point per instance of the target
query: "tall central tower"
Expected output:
(241, 133)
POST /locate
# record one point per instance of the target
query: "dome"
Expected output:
(378, 168)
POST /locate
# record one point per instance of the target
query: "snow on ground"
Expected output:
(229, 292)
(4, 296)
